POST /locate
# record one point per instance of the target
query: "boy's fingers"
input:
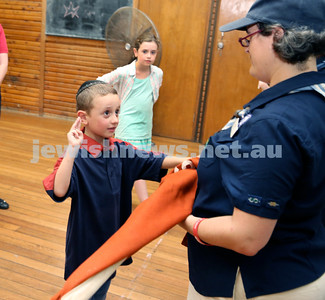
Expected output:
(187, 164)
(79, 132)
(76, 124)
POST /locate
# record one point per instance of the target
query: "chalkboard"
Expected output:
(81, 18)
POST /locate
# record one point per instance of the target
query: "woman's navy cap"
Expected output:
(88, 84)
(288, 13)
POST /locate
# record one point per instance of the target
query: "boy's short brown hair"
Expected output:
(89, 90)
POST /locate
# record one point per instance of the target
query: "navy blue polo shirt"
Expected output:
(101, 190)
(271, 164)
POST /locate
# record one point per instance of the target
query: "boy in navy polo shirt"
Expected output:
(98, 172)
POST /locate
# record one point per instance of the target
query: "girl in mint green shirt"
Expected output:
(138, 86)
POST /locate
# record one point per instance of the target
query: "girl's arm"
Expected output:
(111, 78)
(63, 174)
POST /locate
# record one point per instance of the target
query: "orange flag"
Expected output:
(170, 204)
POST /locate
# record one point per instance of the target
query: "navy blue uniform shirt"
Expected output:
(321, 64)
(101, 190)
(271, 164)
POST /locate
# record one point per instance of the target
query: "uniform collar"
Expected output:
(285, 87)
(94, 148)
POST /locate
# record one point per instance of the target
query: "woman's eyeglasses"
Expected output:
(244, 41)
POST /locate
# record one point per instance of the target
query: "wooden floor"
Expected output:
(32, 237)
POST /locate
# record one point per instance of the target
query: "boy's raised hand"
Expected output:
(75, 135)
(63, 173)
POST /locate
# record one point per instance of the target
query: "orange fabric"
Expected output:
(170, 204)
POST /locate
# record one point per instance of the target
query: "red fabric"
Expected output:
(170, 204)
(48, 182)
(3, 42)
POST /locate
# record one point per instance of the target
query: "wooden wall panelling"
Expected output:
(230, 85)
(21, 21)
(45, 71)
(68, 63)
(182, 26)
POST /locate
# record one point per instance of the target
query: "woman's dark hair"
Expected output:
(295, 45)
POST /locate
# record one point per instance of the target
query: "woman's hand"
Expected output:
(188, 223)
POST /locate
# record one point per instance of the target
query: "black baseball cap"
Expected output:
(288, 13)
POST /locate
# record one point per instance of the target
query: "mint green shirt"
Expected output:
(135, 119)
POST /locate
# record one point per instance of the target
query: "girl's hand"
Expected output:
(75, 135)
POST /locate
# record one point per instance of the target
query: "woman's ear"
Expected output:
(278, 32)
(83, 117)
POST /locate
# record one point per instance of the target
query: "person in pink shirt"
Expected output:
(3, 71)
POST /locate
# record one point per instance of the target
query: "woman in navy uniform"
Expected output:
(256, 229)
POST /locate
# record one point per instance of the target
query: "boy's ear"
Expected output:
(83, 116)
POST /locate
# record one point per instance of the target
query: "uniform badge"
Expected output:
(240, 117)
